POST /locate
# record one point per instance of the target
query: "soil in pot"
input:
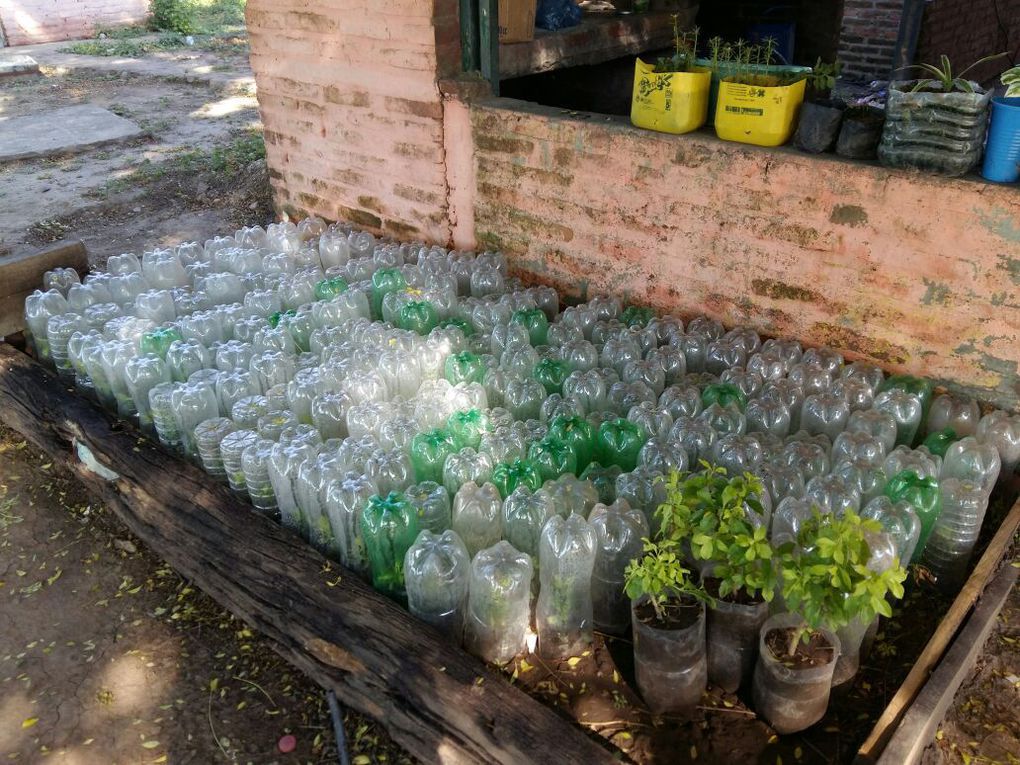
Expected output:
(669, 655)
(791, 691)
(860, 133)
(819, 126)
(734, 623)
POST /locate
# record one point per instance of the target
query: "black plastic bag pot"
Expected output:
(818, 128)
(733, 635)
(670, 664)
(791, 698)
(860, 133)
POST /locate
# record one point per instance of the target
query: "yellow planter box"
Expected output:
(670, 102)
(757, 114)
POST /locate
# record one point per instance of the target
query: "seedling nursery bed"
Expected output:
(435, 699)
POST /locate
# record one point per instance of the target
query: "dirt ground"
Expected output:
(106, 655)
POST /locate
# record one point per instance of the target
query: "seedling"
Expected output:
(826, 578)
(686, 44)
(660, 575)
(942, 77)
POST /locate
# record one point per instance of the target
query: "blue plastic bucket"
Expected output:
(1002, 152)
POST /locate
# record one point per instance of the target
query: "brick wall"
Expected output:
(35, 21)
(968, 30)
(918, 273)
(353, 113)
(868, 37)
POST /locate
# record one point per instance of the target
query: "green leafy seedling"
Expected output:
(659, 573)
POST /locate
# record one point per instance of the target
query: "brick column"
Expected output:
(867, 38)
(353, 114)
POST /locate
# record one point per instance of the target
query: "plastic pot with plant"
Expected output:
(757, 105)
(937, 123)
(668, 618)
(827, 585)
(718, 514)
(1002, 152)
(672, 95)
(821, 115)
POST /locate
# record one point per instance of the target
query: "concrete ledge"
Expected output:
(17, 64)
(62, 131)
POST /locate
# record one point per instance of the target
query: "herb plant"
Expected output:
(822, 78)
(660, 574)
(1011, 79)
(686, 50)
(826, 578)
(942, 77)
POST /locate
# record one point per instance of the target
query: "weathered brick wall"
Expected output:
(968, 30)
(35, 21)
(353, 114)
(867, 38)
(917, 273)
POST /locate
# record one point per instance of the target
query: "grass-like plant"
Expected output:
(943, 79)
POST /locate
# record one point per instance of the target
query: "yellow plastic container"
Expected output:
(757, 114)
(670, 102)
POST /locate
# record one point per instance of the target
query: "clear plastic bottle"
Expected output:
(255, 465)
(344, 499)
(564, 611)
(209, 434)
(163, 419)
(477, 512)
(499, 603)
(619, 531)
(232, 446)
(437, 575)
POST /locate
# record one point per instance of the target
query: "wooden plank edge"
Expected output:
(435, 700)
(939, 642)
(917, 729)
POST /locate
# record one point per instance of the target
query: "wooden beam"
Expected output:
(438, 702)
(488, 41)
(21, 275)
(940, 640)
(917, 730)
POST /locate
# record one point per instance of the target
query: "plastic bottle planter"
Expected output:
(924, 497)
(934, 132)
(619, 443)
(535, 322)
(619, 530)
(1002, 152)
(507, 476)
(389, 526)
(669, 102)
(499, 603)
(477, 514)
(429, 452)
(906, 409)
(961, 414)
(577, 433)
(524, 516)
(757, 114)
(670, 660)
(733, 634)
(792, 696)
(552, 458)
(437, 573)
(344, 500)
(432, 504)
(563, 613)
(969, 460)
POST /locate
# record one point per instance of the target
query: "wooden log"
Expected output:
(438, 702)
(917, 730)
(939, 642)
(21, 275)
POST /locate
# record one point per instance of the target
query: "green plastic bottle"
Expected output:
(327, 289)
(462, 324)
(723, 394)
(577, 433)
(278, 316)
(418, 316)
(158, 340)
(636, 316)
(507, 476)
(535, 321)
(389, 526)
(385, 281)
(552, 457)
(466, 428)
(924, 496)
(551, 373)
(940, 441)
(429, 452)
(618, 443)
(604, 481)
(464, 367)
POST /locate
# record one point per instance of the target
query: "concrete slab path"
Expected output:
(62, 131)
(13, 65)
